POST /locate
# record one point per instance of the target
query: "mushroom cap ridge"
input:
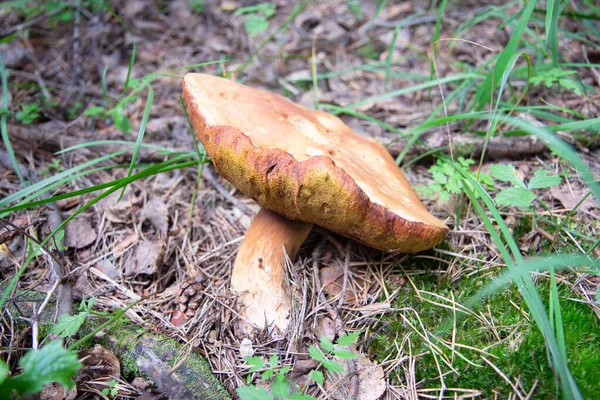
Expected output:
(314, 189)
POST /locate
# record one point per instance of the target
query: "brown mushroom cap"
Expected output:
(308, 165)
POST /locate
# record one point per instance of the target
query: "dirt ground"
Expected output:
(172, 231)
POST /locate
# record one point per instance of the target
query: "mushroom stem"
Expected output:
(258, 272)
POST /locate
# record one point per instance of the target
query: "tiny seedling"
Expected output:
(447, 181)
(68, 325)
(355, 9)
(520, 194)
(196, 6)
(257, 17)
(29, 113)
(112, 390)
(281, 387)
(560, 77)
(53, 167)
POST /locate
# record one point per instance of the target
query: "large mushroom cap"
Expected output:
(308, 165)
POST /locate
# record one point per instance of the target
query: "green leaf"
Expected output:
(347, 340)
(486, 180)
(87, 306)
(281, 387)
(95, 111)
(255, 362)
(444, 195)
(3, 371)
(345, 354)
(439, 175)
(68, 325)
(274, 360)
(121, 120)
(316, 353)
(254, 393)
(515, 196)
(267, 374)
(542, 180)
(333, 366)
(454, 184)
(506, 173)
(256, 24)
(326, 343)
(316, 376)
(285, 370)
(51, 363)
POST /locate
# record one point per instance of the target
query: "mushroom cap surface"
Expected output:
(308, 165)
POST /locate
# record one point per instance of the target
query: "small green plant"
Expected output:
(281, 387)
(196, 6)
(53, 167)
(74, 111)
(28, 113)
(355, 9)
(447, 181)
(49, 364)
(112, 390)
(257, 17)
(560, 77)
(520, 194)
(68, 325)
(117, 114)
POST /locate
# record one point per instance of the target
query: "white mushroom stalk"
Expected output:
(259, 269)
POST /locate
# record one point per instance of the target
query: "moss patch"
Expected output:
(512, 342)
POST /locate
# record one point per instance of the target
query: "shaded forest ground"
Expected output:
(82, 76)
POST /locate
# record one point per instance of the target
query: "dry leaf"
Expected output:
(99, 364)
(54, 391)
(157, 212)
(125, 243)
(362, 380)
(79, 233)
(325, 327)
(332, 279)
(246, 349)
(145, 259)
(571, 197)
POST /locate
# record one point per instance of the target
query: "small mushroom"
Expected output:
(307, 167)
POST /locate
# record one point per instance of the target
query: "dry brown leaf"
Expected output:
(79, 233)
(332, 279)
(54, 391)
(362, 380)
(125, 243)
(145, 258)
(570, 197)
(112, 202)
(99, 364)
(325, 327)
(157, 212)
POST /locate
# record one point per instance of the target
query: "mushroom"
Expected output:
(307, 167)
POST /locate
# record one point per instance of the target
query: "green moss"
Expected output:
(513, 343)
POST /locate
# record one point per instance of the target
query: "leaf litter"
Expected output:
(146, 243)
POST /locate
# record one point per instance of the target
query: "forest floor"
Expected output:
(83, 81)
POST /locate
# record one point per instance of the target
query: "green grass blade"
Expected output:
(63, 176)
(130, 67)
(142, 130)
(3, 124)
(104, 86)
(553, 11)
(486, 89)
(414, 88)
